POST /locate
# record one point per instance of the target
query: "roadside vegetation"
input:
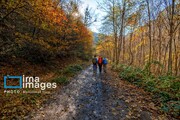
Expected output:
(18, 106)
(164, 89)
(48, 39)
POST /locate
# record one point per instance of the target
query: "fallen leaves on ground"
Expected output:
(140, 102)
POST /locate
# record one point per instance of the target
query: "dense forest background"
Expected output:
(139, 32)
(141, 38)
(51, 39)
(40, 31)
(45, 38)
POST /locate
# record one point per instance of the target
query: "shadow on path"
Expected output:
(87, 97)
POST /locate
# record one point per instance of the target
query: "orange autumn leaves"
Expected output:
(44, 29)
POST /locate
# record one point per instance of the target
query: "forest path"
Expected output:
(96, 97)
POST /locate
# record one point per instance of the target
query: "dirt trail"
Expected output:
(94, 97)
(87, 97)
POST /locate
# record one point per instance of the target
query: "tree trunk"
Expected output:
(160, 43)
(149, 25)
(171, 38)
(130, 46)
(120, 45)
(115, 34)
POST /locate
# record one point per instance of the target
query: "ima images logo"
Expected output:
(28, 82)
(13, 77)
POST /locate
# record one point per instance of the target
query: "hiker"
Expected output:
(105, 62)
(94, 61)
(100, 61)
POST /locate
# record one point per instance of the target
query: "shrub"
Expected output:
(165, 96)
(165, 88)
(148, 64)
(150, 86)
(131, 74)
(34, 53)
(60, 80)
(72, 69)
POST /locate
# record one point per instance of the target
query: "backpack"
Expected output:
(105, 61)
(100, 60)
(94, 60)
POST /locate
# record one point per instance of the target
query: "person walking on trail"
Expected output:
(94, 61)
(105, 62)
(100, 62)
